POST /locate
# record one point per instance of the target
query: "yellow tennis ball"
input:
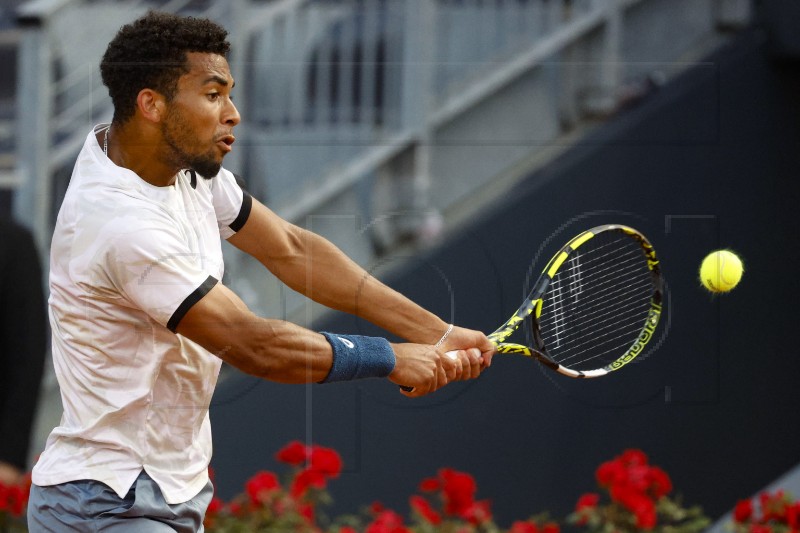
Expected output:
(721, 271)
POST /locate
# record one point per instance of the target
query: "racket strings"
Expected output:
(600, 329)
(600, 293)
(601, 296)
(630, 305)
(601, 338)
(578, 270)
(588, 256)
(609, 293)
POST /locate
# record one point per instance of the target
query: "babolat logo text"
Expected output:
(644, 337)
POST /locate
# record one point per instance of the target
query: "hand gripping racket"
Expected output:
(595, 306)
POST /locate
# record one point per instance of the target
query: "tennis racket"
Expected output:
(595, 306)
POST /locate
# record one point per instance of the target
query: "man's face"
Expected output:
(198, 126)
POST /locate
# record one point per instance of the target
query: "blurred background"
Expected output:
(450, 146)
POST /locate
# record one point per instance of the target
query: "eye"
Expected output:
(213, 96)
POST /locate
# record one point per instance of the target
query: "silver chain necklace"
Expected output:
(105, 141)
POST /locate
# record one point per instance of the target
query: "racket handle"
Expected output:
(451, 354)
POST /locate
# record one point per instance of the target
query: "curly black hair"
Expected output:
(151, 53)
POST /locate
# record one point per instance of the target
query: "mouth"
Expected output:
(226, 143)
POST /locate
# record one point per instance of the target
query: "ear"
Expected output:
(151, 104)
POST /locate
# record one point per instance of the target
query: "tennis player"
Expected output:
(140, 320)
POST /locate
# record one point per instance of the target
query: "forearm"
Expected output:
(284, 352)
(326, 275)
(271, 349)
(313, 266)
(281, 351)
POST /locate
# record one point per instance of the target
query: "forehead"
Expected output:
(205, 68)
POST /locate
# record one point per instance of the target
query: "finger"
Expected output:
(458, 359)
(475, 362)
(464, 363)
(441, 378)
(451, 365)
(487, 359)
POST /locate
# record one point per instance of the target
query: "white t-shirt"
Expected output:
(128, 260)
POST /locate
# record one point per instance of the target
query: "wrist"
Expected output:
(359, 357)
(430, 335)
(444, 337)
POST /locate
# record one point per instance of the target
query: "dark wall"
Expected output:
(712, 160)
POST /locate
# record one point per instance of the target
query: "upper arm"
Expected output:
(216, 322)
(268, 238)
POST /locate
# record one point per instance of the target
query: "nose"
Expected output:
(231, 116)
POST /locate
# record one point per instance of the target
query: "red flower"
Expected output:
(638, 477)
(459, 491)
(586, 504)
(660, 483)
(216, 505)
(551, 527)
(387, 522)
(3, 495)
(235, 508)
(523, 527)
(15, 500)
(260, 486)
(610, 473)
(640, 505)
(478, 512)
(587, 501)
(424, 509)
(793, 516)
(633, 458)
(307, 512)
(743, 511)
(773, 506)
(305, 479)
(347, 529)
(326, 461)
(295, 453)
(430, 484)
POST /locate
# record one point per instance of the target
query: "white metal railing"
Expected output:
(341, 87)
(331, 90)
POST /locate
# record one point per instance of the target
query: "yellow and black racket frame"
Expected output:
(531, 308)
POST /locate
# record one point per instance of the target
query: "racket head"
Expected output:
(595, 306)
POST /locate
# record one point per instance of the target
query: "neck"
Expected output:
(138, 149)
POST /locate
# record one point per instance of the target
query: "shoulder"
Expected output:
(225, 179)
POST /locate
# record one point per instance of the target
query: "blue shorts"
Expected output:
(88, 505)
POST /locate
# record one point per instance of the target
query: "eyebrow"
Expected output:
(219, 80)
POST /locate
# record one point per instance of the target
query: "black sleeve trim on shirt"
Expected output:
(240, 181)
(190, 300)
(244, 212)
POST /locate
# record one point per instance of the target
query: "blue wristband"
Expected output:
(359, 357)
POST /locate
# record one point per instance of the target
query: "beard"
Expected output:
(177, 134)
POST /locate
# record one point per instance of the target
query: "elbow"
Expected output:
(285, 257)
